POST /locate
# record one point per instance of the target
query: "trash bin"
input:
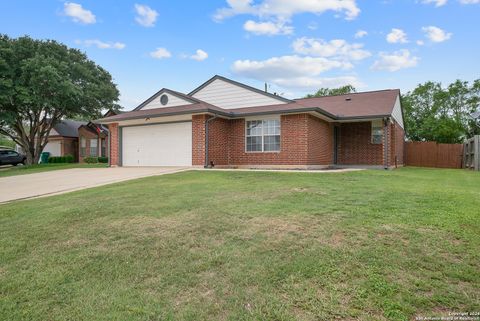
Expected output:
(44, 157)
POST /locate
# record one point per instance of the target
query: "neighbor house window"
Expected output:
(104, 147)
(263, 135)
(377, 132)
(83, 146)
(93, 147)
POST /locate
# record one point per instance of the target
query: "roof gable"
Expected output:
(228, 94)
(174, 99)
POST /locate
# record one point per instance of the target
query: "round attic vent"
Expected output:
(164, 99)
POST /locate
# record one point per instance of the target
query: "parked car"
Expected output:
(11, 157)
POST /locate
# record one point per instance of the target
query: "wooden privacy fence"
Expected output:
(432, 154)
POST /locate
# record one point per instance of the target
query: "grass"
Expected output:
(30, 169)
(370, 245)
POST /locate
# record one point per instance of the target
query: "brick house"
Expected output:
(63, 138)
(224, 123)
(93, 139)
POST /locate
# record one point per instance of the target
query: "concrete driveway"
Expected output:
(67, 180)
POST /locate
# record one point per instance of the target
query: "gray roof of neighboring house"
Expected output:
(68, 127)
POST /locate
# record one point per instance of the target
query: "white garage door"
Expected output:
(54, 148)
(157, 145)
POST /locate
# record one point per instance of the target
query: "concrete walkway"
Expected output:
(67, 180)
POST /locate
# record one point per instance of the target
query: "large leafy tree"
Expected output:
(435, 113)
(347, 89)
(42, 82)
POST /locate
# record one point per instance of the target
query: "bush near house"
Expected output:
(94, 160)
(61, 159)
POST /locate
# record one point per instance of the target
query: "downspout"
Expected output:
(386, 139)
(207, 165)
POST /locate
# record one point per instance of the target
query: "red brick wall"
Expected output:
(198, 140)
(218, 140)
(304, 140)
(293, 144)
(355, 147)
(320, 142)
(114, 148)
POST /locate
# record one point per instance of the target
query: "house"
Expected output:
(224, 123)
(63, 138)
(93, 139)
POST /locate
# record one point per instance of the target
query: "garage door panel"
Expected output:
(157, 145)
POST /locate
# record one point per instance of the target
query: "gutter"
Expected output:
(207, 164)
(231, 115)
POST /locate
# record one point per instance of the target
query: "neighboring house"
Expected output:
(63, 138)
(93, 139)
(228, 124)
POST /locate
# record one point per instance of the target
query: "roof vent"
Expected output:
(348, 98)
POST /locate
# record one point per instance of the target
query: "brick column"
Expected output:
(114, 144)
(198, 139)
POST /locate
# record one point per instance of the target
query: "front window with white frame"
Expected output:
(263, 135)
(377, 131)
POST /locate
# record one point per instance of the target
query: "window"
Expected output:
(93, 147)
(83, 146)
(263, 135)
(104, 149)
(377, 132)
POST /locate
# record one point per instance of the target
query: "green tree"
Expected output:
(42, 82)
(434, 113)
(348, 89)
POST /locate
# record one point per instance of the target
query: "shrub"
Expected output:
(61, 159)
(90, 160)
(103, 159)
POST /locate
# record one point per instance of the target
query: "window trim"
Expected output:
(90, 147)
(376, 124)
(83, 150)
(263, 135)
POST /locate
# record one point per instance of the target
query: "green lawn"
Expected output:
(369, 245)
(20, 170)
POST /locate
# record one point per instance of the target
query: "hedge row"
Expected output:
(61, 159)
(94, 160)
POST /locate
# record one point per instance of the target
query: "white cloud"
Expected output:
(360, 34)
(319, 82)
(436, 34)
(395, 61)
(286, 9)
(286, 67)
(397, 36)
(337, 48)
(438, 3)
(268, 28)
(78, 13)
(200, 55)
(146, 16)
(160, 53)
(100, 44)
(294, 72)
(420, 42)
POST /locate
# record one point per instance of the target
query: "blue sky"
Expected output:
(295, 46)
